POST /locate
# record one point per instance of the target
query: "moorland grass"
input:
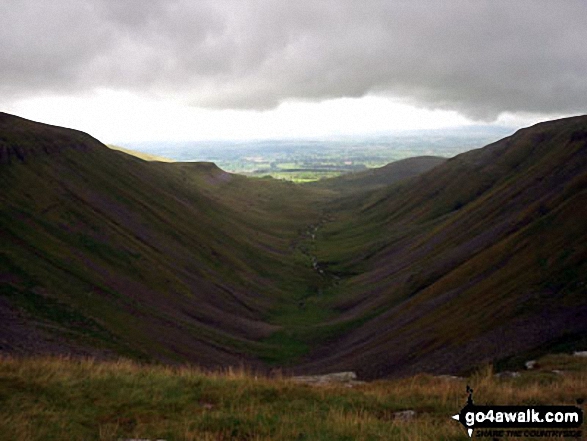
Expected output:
(71, 399)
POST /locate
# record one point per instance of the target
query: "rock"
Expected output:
(507, 374)
(347, 378)
(580, 353)
(450, 377)
(530, 364)
(404, 415)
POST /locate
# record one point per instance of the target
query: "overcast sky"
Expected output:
(179, 69)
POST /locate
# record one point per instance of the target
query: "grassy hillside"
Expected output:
(105, 252)
(140, 155)
(377, 178)
(480, 259)
(53, 398)
(477, 259)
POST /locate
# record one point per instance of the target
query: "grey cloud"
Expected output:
(479, 57)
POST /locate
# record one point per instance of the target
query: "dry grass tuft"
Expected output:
(84, 399)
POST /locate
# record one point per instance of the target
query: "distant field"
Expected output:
(63, 399)
(312, 160)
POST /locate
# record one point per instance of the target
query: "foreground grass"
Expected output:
(64, 399)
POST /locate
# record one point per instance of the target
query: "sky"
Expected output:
(135, 70)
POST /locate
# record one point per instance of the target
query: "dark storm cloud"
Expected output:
(478, 57)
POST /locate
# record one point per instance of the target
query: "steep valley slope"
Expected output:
(103, 252)
(482, 259)
(433, 265)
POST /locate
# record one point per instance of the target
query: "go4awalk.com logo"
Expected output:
(528, 421)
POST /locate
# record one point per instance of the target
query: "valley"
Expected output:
(425, 265)
(299, 221)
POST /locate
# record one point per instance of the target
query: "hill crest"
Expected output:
(22, 139)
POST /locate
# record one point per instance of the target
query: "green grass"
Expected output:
(304, 176)
(57, 398)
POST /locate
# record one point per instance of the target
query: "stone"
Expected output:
(450, 377)
(507, 374)
(347, 378)
(530, 364)
(404, 415)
